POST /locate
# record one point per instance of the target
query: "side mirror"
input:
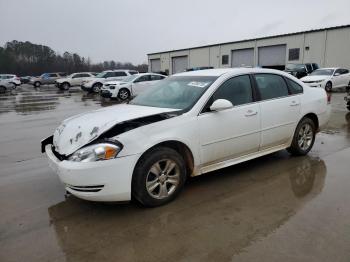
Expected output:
(221, 104)
(337, 74)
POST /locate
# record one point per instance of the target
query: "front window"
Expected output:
(101, 75)
(178, 92)
(322, 72)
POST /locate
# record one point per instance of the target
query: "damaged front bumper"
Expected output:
(108, 180)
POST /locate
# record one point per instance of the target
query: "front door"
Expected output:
(232, 132)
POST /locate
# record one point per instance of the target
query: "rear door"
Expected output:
(140, 84)
(337, 78)
(280, 110)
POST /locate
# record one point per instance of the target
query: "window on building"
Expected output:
(294, 54)
(224, 60)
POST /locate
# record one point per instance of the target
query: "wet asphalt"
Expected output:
(275, 208)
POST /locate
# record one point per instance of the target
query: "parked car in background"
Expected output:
(46, 79)
(75, 79)
(187, 125)
(95, 84)
(130, 86)
(6, 86)
(328, 78)
(301, 70)
(12, 79)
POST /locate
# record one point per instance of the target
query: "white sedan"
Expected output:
(130, 86)
(328, 78)
(187, 125)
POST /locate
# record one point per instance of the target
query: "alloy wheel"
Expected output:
(163, 179)
(305, 137)
(123, 94)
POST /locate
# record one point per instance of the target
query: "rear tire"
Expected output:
(158, 177)
(123, 94)
(64, 86)
(304, 138)
(328, 87)
(37, 84)
(2, 89)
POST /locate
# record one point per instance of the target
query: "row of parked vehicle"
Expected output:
(328, 78)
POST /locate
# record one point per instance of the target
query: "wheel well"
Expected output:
(314, 118)
(182, 149)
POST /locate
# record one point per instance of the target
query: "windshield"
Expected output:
(101, 75)
(130, 78)
(295, 67)
(178, 92)
(322, 72)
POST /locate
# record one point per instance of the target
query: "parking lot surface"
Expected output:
(275, 208)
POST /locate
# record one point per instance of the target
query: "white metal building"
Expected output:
(328, 47)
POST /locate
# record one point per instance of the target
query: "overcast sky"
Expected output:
(126, 30)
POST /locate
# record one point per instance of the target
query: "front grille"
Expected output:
(308, 82)
(93, 189)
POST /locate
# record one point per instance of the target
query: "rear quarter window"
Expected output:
(294, 87)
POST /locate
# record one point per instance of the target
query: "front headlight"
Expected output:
(97, 152)
(319, 81)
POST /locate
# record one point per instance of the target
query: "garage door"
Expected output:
(180, 64)
(272, 56)
(155, 65)
(243, 57)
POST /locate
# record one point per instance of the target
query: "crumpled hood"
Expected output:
(314, 78)
(80, 130)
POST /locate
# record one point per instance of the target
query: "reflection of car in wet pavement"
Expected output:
(167, 124)
(245, 211)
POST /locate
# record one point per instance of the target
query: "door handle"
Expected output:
(251, 113)
(294, 103)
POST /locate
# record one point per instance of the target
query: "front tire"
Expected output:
(159, 176)
(37, 84)
(304, 138)
(64, 86)
(328, 87)
(123, 94)
(96, 87)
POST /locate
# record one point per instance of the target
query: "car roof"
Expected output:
(221, 71)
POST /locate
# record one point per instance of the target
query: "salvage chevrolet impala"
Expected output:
(186, 125)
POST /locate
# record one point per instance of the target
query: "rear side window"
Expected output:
(344, 71)
(294, 87)
(237, 90)
(271, 86)
(52, 75)
(156, 77)
(120, 74)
